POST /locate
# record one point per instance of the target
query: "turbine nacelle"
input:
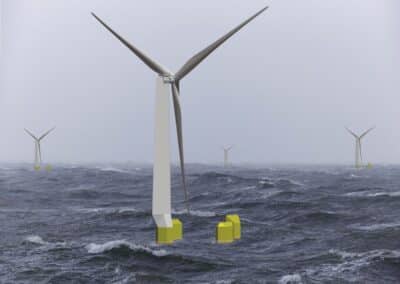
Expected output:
(170, 79)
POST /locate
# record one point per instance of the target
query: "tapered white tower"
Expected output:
(226, 156)
(358, 163)
(37, 163)
(169, 82)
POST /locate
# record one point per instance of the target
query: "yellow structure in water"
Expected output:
(48, 168)
(168, 235)
(36, 168)
(225, 232)
(235, 220)
(369, 166)
(229, 230)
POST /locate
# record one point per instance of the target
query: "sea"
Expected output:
(300, 224)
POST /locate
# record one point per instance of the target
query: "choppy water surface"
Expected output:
(88, 224)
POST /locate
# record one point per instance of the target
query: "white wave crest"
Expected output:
(277, 182)
(197, 213)
(353, 176)
(351, 263)
(368, 255)
(270, 193)
(112, 169)
(34, 239)
(101, 248)
(266, 182)
(373, 194)
(376, 227)
(290, 279)
(107, 210)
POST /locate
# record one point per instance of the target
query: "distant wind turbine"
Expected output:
(226, 156)
(38, 150)
(166, 81)
(358, 149)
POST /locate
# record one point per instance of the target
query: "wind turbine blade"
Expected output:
(199, 57)
(359, 147)
(30, 134)
(146, 59)
(178, 121)
(47, 133)
(366, 132)
(352, 133)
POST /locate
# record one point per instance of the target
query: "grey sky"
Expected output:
(281, 90)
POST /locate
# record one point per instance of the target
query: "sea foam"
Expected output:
(108, 246)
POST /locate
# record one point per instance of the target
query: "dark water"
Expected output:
(300, 225)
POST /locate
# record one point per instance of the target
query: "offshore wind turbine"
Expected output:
(226, 156)
(358, 150)
(38, 151)
(166, 81)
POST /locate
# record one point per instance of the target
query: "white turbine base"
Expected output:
(161, 207)
(358, 161)
(37, 161)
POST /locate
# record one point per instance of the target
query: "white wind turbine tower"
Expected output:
(358, 149)
(38, 150)
(226, 156)
(166, 81)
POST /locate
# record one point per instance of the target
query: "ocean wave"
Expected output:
(351, 263)
(112, 169)
(376, 227)
(34, 239)
(118, 245)
(270, 193)
(353, 176)
(366, 257)
(123, 211)
(288, 182)
(318, 216)
(82, 187)
(107, 210)
(248, 221)
(265, 183)
(280, 182)
(250, 187)
(224, 281)
(197, 213)
(210, 177)
(373, 194)
(290, 279)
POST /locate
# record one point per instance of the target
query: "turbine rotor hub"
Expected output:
(169, 79)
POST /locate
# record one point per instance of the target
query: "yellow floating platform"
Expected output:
(225, 232)
(235, 220)
(168, 235)
(229, 230)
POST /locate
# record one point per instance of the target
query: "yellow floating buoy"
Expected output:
(167, 235)
(229, 230)
(224, 232)
(235, 220)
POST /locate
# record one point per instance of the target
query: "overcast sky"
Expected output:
(280, 91)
